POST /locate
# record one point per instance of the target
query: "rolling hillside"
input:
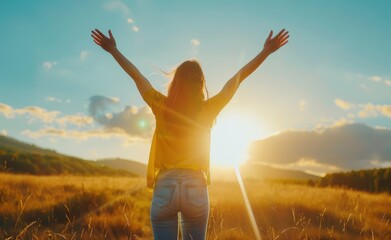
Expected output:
(134, 167)
(19, 157)
(250, 171)
(257, 171)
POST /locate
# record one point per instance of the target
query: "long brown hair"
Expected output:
(186, 90)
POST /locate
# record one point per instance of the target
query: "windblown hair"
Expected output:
(186, 91)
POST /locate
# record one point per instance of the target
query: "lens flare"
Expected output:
(142, 124)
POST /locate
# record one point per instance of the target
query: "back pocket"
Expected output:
(162, 195)
(197, 195)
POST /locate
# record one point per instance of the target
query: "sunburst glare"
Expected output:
(231, 137)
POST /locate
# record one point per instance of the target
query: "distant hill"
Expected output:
(134, 167)
(8, 144)
(19, 157)
(254, 171)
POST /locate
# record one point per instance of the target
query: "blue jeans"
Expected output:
(184, 192)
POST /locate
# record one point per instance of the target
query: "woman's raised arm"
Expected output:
(271, 45)
(109, 45)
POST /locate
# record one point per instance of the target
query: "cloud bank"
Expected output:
(366, 110)
(351, 146)
(44, 115)
(136, 122)
(132, 124)
(380, 79)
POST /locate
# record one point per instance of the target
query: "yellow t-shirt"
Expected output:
(191, 148)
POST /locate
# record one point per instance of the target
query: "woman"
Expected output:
(178, 167)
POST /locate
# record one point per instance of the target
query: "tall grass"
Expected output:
(73, 207)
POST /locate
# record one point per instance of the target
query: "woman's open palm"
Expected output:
(106, 43)
(273, 44)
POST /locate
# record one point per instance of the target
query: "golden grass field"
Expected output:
(74, 207)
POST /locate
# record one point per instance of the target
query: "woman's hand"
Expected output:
(273, 44)
(108, 44)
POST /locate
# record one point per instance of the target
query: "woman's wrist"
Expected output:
(113, 50)
(266, 52)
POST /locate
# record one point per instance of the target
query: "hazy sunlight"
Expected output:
(231, 136)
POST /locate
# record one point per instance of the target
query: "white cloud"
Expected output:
(130, 20)
(343, 104)
(367, 110)
(6, 110)
(134, 121)
(380, 79)
(109, 115)
(195, 42)
(114, 99)
(78, 120)
(342, 122)
(4, 132)
(376, 78)
(135, 28)
(82, 135)
(302, 105)
(132, 124)
(314, 166)
(386, 110)
(34, 112)
(52, 99)
(117, 6)
(48, 65)
(38, 113)
(372, 110)
(84, 54)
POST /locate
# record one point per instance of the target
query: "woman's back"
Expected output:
(181, 141)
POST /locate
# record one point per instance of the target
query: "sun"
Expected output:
(231, 136)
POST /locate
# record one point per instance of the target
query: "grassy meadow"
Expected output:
(76, 207)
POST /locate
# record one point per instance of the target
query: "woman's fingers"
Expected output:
(270, 35)
(97, 43)
(283, 35)
(100, 33)
(280, 33)
(111, 35)
(95, 35)
(96, 38)
(283, 39)
(283, 43)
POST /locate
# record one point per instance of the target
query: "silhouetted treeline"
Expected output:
(376, 180)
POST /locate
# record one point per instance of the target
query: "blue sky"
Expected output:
(335, 69)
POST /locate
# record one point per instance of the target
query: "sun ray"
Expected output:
(248, 205)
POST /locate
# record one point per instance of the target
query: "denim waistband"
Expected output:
(179, 173)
